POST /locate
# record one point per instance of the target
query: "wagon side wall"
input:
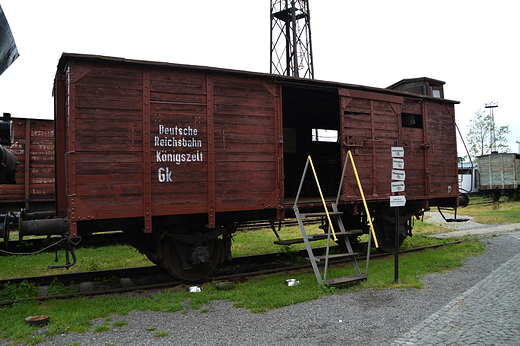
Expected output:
(499, 171)
(34, 150)
(424, 127)
(144, 141)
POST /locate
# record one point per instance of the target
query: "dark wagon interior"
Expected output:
(311, 126)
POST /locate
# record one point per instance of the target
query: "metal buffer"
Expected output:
(333, 218)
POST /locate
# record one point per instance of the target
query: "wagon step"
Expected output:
(457, 220)
(321, 236)
(345, 279)
(335, 256)
(452, 220)
(306, 215)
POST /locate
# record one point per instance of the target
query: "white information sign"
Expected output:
(398, 163)
(398, 175)
(397, 186)
(397, 201)
(397, 152)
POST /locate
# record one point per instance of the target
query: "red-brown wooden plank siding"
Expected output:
(430, 159)
(211, 142)
(245, 148)
(179, 142)
(412, 139)
(105, 148)
(442, 149)
(370, 124)
(140, 139)
(34, 150)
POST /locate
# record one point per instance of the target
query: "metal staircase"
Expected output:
(334, 220)
(343, 236)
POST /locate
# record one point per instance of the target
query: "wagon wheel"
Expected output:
(187, 270)
(385, 233)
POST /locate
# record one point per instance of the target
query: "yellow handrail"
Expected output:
(363, 197)
(323, 199)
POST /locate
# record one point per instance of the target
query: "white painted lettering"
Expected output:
(182, 131)
(180, 138)
(165, 175)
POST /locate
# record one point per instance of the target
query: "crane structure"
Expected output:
(291, 47)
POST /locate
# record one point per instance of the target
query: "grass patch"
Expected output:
(247, 243)
(88, 259)
(36, 340)
(120, 323)
(57, 288)
(485, 212)
(104, 327)
(414, 265)
(161, 334)
(21, 291)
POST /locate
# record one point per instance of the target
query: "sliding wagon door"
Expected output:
(248, 143)
(370, 125)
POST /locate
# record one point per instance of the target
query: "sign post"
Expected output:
(396, 201)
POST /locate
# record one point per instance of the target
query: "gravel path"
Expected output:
(370, 317)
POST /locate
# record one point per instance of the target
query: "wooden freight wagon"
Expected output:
(181, 155)
(34, 149)
(500, 173)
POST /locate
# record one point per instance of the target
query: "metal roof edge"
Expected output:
(284, 79)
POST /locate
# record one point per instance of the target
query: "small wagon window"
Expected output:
(324, 135)
(412, 120)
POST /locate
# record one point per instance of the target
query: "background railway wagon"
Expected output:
(34, 149)
(186, 153)
(500, 174)
(468, 177)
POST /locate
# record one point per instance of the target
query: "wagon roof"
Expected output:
(516, 155)
(281, 79)
(420, 79)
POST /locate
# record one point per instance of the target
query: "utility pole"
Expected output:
(491, 106)
(291, 48)
(518, 142)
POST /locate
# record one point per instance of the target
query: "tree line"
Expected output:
(484, 137)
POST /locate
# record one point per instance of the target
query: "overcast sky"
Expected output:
(471, 45)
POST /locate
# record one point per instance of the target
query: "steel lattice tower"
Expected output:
(291, 48)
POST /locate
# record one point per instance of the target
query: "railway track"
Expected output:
(154, 278)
